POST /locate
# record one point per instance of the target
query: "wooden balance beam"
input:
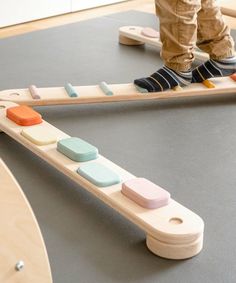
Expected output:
(113, 93)
(172, 230)
(23, 253)
(137, 35)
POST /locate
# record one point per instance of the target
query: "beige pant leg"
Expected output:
(213, 34)
(178, 31)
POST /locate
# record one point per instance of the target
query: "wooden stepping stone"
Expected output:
(77, 149)
(24, 115)
(39, 135)
(145, 193)
(98, 174)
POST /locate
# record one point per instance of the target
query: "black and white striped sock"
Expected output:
(214, 68)
(163, 79)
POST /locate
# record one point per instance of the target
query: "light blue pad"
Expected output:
(77, 149)
(70, 90)
(98, 174)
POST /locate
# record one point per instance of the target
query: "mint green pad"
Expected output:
(77, 149)
(140, 89)
(70, 90)
(98, 174)
(105, 88)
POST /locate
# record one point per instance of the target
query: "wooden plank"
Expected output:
(132, 35)
(121, 92)
(20, 236)
(229, 12)
(173, 231)
(127, 34)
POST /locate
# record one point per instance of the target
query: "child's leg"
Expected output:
(214, 38)
(178, 33)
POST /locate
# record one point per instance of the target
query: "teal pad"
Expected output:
(70, 90)
(77, 149)
(105, 88)
(98, 174)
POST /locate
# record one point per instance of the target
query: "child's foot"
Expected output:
(163, 79)
(214, 68)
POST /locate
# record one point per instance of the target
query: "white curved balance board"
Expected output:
(133, 35)
(173, 231)
(120, 92)
(23, 254)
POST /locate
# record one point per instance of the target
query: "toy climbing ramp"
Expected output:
(172, 230)
(104, 92)
(23, 256)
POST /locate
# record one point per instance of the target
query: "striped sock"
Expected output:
(214, 68)
(163, 79)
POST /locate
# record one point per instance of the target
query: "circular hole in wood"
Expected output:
(2, 106)
(176, 221)
(14, 93)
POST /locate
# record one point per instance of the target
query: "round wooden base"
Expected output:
(174, 251)
(128, 41)
(23, 253)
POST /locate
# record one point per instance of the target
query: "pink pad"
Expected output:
(145, 193)
(150, 32)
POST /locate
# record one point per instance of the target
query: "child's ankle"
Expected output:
(164, 79)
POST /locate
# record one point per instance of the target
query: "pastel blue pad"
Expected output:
(77, 149)
(105, 88)
(98, 174)
(70, 90)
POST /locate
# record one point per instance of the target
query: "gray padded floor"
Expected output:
(187, 146)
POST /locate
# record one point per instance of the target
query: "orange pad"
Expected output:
(208, 84)
(233, 77)
(24, 115)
